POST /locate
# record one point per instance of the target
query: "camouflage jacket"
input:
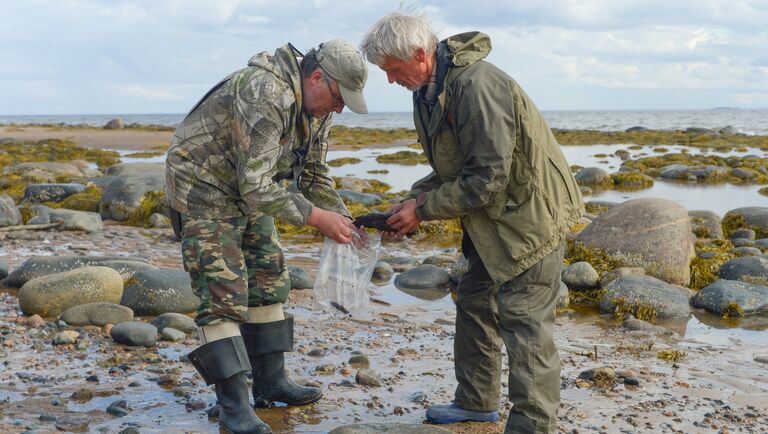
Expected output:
(228, 156)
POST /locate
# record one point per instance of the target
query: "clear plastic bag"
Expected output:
(344, 274)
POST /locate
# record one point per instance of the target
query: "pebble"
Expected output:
(368, 377)
(72, 423)
(35, 321)
(317, 352)
(360, 361)
(173, 335)
(66, 337)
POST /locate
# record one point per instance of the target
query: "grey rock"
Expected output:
(317, 352)
(718, 296)
(742, 242)
(3, 269)
(58, 170)
(135, 333)
(42, 215)
(698, 130)
(400, 263)
(458, 268)
(762, 243)
(382, 271)
(682, 171)
(744, 173)
(72, 220)
(604, 373)
(747, 251)
(752, 269)
(756, 217)
(418, 397)
(706, 221)
(130, 169)
(728, 130)
(620, 272)
(360, 361)
(53, 294)
(155, 292)
(389, 428)
(634, 324)
(441, 260)
(174, 320)
(366, 199)
(115, 124)
(9, 213)
(368, 377)
(636, 129)
(580, 275)
(563, 296)
(748, 234)
(654, 234)
(353, 184)
(38, 266)
(423, 277)
(159, 221)
(36, 193)
(66, 337)
(585, 191)
(632, 381)
(98, 314)
(669, 301)
(124, 193)
(73, 423)
(173, 335)
(127, 268)
(300, 278)
(592, 176)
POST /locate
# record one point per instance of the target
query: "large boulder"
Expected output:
(753, 269)
(643, 293)
(706, 224)
(9, 213)
(732, 297)
(423, 277)
(124, 194)
(115, 124)
(353, 184)
(155, 292)
(654, 234)
(592, 176)
(38, 266)
(36, 193)
(753, 217)
(72, 220)
(58, 170)
(97, 314)
(53, 294)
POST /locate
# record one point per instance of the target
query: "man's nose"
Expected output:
(391, 78)
(338, 108)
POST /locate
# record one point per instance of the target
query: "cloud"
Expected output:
(135, 90)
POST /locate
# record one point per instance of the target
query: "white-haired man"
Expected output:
(497, 166)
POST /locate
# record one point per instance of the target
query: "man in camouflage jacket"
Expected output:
(263, 124)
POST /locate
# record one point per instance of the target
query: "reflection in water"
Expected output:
(428, 294)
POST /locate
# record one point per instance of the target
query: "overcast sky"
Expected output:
(157, 56)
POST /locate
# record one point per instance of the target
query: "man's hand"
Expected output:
(333, 225)
(405, 220)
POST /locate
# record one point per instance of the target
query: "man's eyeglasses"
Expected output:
(337, 99)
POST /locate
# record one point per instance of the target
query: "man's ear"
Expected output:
(316, 76)
(420, 55)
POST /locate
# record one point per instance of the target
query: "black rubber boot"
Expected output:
(225, 363)
(266, 343)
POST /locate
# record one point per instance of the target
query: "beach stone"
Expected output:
(620, 272)
(423, 277)
(592, 176)
(604, 373)
(368, 377)
(127, 268)
(130, 169)
(716, 297)
(300, 278)
(458, 268)
(41, 215)
(360, 361)
(98, 314)
(159, 221)
(382, 271)
(634, 324)
(73, 423)
(756, 217)
(37, 175)
(563, 296)
(441, 260)
(580, 275)
(123, 195)
(636, 129)
(135, 333)
(366, 199)
(762, 243)
(747, 251)
(36, 193)
(706, 221)
(669, 301)
(751, 269)
(389, 428)
(744, 173)
(38, 266)
(115, 124)
(53, 294)
(173, 335)
(353, 184)
(654, 234)
(400, 263)
(682, 171)
(3, 269)
(748, 234)
(742, 242)
(66, 337)
(58, 170)
(155, 292)
(174, 320)
(9, 213)
(35, 321)
(72, 220)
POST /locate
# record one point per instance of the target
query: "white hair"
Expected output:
(398, 35)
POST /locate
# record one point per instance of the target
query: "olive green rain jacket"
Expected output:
(495, 162)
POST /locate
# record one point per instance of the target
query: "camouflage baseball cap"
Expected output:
(345, 64)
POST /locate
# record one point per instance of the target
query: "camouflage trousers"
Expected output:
(234, 264)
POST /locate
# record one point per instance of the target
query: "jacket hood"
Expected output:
(284, 64)
(467, 48)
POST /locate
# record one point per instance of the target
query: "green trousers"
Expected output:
(234, 264)
(520, 314)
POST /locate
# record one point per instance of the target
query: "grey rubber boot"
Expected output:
(224, 363)
(266, 343)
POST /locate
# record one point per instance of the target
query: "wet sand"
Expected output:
(718, 387)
